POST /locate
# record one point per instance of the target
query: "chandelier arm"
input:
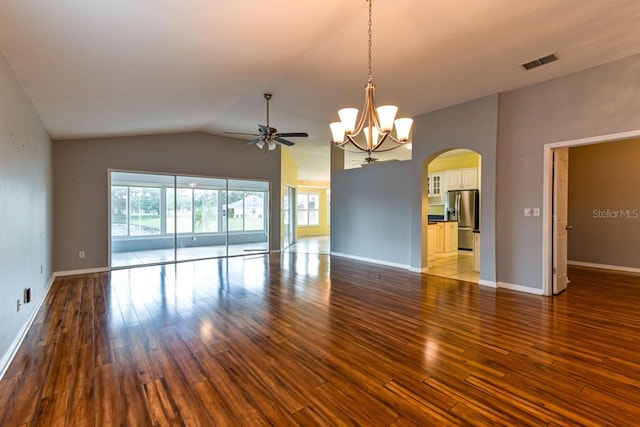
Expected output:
(372, 109)
(360, 125)
(386, 149)
(351, 140)
(380, 141)
(397, 141)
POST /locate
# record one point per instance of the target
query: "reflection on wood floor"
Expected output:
(305, 339)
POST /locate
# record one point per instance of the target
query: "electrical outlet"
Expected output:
(41, 269)
(18, 305)
(81, 254)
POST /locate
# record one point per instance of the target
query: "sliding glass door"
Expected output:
(197, 210)
(163, 218)
(247, 215)
(288, 217)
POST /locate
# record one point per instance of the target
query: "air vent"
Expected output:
(540, 61)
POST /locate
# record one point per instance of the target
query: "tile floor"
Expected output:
(458, 267)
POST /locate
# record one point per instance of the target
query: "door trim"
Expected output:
(547, 197)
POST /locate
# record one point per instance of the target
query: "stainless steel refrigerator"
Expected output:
(463, 206)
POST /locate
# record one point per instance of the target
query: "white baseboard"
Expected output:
(85, 271)
(418, 269)
(372, 261)
(487, 283)
(604, 266)
(8, 356)
(520, 288)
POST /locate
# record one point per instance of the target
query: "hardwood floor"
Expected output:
(297, 339)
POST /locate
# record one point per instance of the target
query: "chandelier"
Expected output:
(379, 121)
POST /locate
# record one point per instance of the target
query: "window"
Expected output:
(205, 211)
(184, 208)
(246, 210)
(135, 211)
(308, 209)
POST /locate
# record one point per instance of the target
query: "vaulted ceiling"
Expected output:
(123, 67)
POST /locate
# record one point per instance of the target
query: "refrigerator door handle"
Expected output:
(458, 197)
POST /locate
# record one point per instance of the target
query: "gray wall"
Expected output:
(604, 203)
(371, 212)
(472, 125)
(81, 183)
(25, 212)
(599, 101)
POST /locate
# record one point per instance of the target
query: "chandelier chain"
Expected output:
(370, 32)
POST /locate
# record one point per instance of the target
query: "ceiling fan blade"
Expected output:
(264, 130)
(255, 141)
(242, 133)
(293, 134)
(283, 141)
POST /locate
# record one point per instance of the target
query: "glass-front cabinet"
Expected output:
(435, 184)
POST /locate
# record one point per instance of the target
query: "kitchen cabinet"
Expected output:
(446, 238)
(431, 242)
(476, 252)
(435, 185)
(439, 237)
(462, 179)
(469, 178)
(450, 237)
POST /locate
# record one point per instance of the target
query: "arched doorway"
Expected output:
(452, 196)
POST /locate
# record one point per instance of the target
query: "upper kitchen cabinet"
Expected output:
(462, 179)
(435, 184)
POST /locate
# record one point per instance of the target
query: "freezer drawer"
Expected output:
(465, 238)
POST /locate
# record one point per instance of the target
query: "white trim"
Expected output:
(276, 251)
(488, 283)
(547, 194)
(605, 266)
(520, 288)
(8, 356)
(372, 261)
(84, 271)
(418, 269)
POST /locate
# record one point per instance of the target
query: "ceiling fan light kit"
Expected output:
(379, 121)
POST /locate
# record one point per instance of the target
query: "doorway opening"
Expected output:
(596, 214)
(452, 191)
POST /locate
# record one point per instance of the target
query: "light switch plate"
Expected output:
(536, 211)
(527, 211)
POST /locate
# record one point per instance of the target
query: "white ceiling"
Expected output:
(122, 67)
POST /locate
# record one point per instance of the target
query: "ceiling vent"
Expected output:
(540, 61)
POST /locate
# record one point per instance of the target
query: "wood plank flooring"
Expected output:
(297, 339)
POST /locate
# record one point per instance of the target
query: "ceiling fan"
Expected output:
(269, 136)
